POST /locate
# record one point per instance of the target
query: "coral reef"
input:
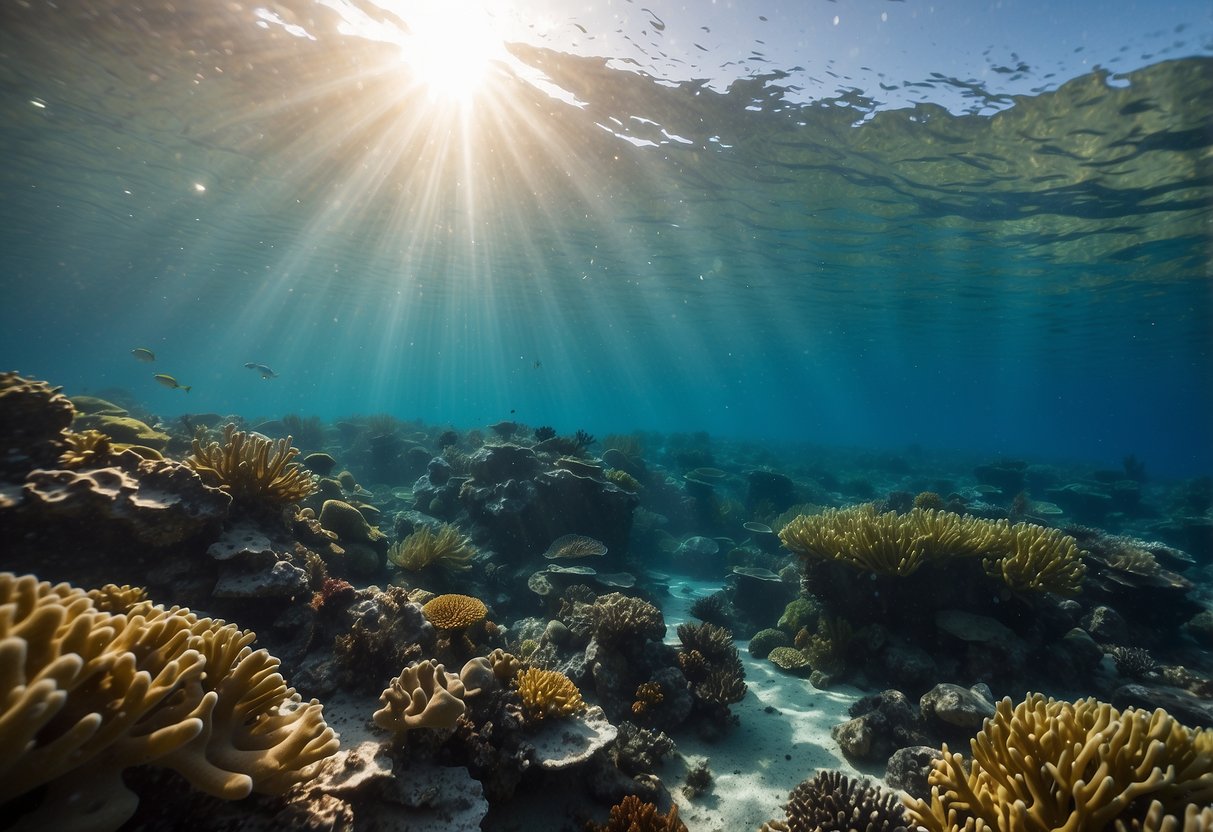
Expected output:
(33, 418)
(424, 695)
(635, 815)
(830, 801)
(1047, 764)
(253, 469)
(87, 694)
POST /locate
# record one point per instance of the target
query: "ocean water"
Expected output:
(1011, 259)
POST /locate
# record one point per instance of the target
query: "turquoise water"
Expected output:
(1028, 276)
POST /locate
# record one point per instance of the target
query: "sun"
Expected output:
(450, 47)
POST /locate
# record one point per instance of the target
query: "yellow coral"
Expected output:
(1047, 764)
(114, 598)
(547, 693)
(454, 612)
(623, 479)
(424, 695)
(88, 447)
(505, 665)
(1025, 556)
(449, 548)
(85, 694)
(252, 468)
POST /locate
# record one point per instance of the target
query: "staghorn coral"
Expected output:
(454, 612)
(424, 695)
(1134, 662)
(832, 802)
(253, 469)
(634, 815)
(547, 693)
(87, 448)
(85, 694)
(114, 598)
(1194, 819)
(1025, 556)
(1047, 764)
(448, 548)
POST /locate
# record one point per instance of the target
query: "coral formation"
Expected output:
(114, 598)
(547, 693)
(424, 695)
(635, 815)
(1025, 556)
(764, 641)
(571, 546)
(33, 417)
(1047, 764)
(454, 612)
(253, 469)
(618, 617)
(789, 659)
(86, 694)
(448, 548)
(832, 802)
(88, 448)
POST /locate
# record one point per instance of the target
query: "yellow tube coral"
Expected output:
(1051, 765)
(85, 694)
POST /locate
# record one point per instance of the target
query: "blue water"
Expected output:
(1031, 282)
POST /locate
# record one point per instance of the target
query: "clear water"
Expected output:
(974, 254)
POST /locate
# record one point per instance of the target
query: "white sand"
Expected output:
(757, 763)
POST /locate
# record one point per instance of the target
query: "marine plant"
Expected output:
(85, 694)
(547, 693)
(1046, 764)
(635, 815)
(448, 548)
(253, 469)
(830, 801)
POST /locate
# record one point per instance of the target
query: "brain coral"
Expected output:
(547, 693)
(253, 469)
(424, 695)
(85, 694)
(454, 612)
(1046, 764)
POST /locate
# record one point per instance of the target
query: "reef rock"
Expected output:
(156, 502)
(564, 743)
(281, 580)
(910, 767)
(33, 417)
(957, 706)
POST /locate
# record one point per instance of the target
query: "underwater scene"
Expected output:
(425, 415)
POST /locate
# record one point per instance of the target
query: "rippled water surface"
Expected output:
(631, 221)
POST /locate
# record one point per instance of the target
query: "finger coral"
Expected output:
(1025, 556)
(424, 695)
(448, 548)
(635, 815)
(546, 693)
(85, 694)
(89, 447)
(253, 469)
(1046, 764)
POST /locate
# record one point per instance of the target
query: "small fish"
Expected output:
(265, 371)
(537, 364)
(143, 354)
(170, 382)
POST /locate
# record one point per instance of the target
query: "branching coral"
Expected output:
(634, 815)
(1025, 556)
(618, 617)
(114, 598)
(253, 469)
(710, 661)
(85, 694)
(546, 693)
(86, 448)
(1046, 764)
(448, 548)
(424, 695)
(830, 801)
